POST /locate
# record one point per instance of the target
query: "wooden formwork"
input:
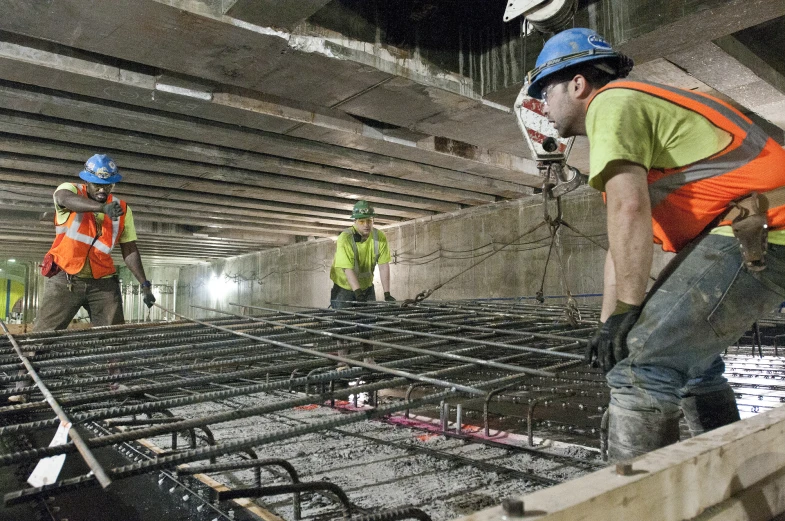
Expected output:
(733, 473)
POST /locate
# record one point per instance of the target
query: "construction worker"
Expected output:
(89, 222)
(355, 259)
(672, 164)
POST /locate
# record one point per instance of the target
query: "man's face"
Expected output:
(98, 192)
(364, 226)
(564, 112)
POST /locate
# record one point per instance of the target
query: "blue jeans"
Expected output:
(705, 305)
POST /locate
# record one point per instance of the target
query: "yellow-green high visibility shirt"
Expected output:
(344, 258)
(624, 124)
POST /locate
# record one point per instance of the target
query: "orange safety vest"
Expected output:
(72, 244)
(685, 200)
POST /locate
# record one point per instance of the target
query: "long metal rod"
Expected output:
(112, 439)
(430, 335)
(478, 329)
(79, 443)
(351, 361)
(446, 356)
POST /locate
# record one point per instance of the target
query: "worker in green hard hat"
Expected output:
(359, 250)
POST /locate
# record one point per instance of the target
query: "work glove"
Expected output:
(360, 296)
(113, 210)
(609, 345)
(388, 297)
(149, 298)
(591, 355)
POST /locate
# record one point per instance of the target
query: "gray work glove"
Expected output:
(360, 296)
(388, 297)
(113, 210)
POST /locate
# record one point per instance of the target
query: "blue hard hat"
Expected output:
(101, 170)
(571, 47)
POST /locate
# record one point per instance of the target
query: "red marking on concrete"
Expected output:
(433, 426)
(307, 407)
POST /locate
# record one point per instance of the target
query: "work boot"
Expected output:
(705, 412)
(632, 433)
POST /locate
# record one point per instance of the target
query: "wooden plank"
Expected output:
(194, 159)
(246, 198)
(211, 180)
(251, 507)
(26, 192)
(90, 114)
(673, 483)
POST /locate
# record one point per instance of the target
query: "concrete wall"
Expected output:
(426, 253)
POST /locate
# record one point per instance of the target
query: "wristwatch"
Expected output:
(147, 284)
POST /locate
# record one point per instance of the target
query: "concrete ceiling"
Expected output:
(242, 125)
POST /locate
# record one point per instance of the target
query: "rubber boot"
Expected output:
(633, 433)
(705, 412)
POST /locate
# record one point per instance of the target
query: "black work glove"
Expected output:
(591, 355)
(388, 297)
(611, 339)
(113, 210)
(360, 296)
(149, 298)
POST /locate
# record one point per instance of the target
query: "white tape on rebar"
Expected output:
(48, 469)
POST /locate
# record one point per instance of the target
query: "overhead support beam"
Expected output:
(647, 30)
(50, 66)
(272, 13)
(732, 75)
(151, 198)
(88, 117)
(229, 165)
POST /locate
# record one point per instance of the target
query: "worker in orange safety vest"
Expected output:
(89, 222)
(703, 180)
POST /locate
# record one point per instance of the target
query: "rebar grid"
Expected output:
(455, 351)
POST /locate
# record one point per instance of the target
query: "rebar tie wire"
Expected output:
(76, 438)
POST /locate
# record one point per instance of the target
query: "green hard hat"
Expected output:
(362, 210)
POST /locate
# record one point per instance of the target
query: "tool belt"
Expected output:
(750, 227)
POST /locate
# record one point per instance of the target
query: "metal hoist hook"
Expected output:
(419, 298)
(548, 197)
(571, 310)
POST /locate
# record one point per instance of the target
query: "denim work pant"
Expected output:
(100, 297)
(341, 298)
(705, 305)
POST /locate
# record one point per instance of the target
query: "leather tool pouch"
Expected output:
(751, 229)
(48, 267)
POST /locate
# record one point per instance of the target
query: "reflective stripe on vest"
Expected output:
(686, 200)
(350, 231)
(75, 240)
